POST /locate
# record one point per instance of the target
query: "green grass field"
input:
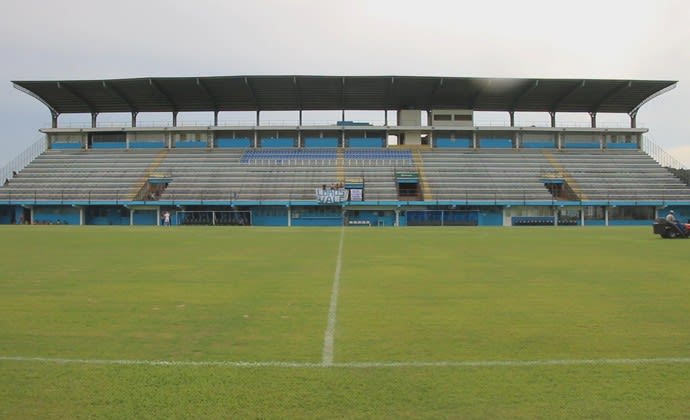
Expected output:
(427, 322)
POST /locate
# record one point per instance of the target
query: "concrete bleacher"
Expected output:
(281, 174)
(621, 174)
(233, 174)
(456, 174)
(100, 174)
(627, 175)
(292, 174)
(285, 155)
(378, 154)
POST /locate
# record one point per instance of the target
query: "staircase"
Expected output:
(424, 189)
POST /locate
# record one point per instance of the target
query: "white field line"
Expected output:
(329, 335)
(356, 365)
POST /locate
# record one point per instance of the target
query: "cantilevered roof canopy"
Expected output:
(278, 93)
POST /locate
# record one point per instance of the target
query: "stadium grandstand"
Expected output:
(433, 165)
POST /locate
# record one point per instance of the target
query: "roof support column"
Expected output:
(54, 119)
(215, 118)
(553, 118)
(258, 117)
(134, 118)
(342, 118)
(593, 116)
(174, 119)
(633, 120)
(385, 117)
(94, 117)
(512, 118)
(300, 117)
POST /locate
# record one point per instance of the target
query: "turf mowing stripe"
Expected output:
(329, 335)
(356, 365)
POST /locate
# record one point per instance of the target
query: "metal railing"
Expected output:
(479, 122)
(660, 155)
(23, 159)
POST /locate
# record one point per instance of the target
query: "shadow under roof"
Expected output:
(280, 93)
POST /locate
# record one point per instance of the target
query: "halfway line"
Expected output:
(355, 365)
(329, 336)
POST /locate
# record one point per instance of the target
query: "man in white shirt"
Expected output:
(671, 218)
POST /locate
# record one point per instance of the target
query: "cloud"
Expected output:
(85, 39)
(682, 153)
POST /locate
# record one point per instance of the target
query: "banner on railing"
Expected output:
(356, 194)
(331, 195)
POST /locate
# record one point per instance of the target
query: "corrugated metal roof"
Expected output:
(276, 93)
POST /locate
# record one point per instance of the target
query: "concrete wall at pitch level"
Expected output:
(6, 213)
(491, 217)
(107, 215)
(145, 217)
(682, 213)
(630, 223)
(56, 215)
(270, 216)
(318, 221)
(374, 217)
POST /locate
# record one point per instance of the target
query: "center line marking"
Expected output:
(357, 365)
(329, 336)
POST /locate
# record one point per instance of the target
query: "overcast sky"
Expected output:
(75, 39)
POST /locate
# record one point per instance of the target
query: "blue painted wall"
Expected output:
(321, 142)
(277, 142)
(145, 217)
(621, 146)
(64, 215)
(491, 217)
(493, 143)
(682, 213)
(18, 213)
(239, 142)
(109, 145)
(442, 143)
(365, 142)
(107, 215)
(573, 145)
(374, 217)
(317, 216)
(147, 144)
(6, 214)
(191, 144)
(527, 144)
(269, 216)
(631, 223)
(65, 146)
(318, 221)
